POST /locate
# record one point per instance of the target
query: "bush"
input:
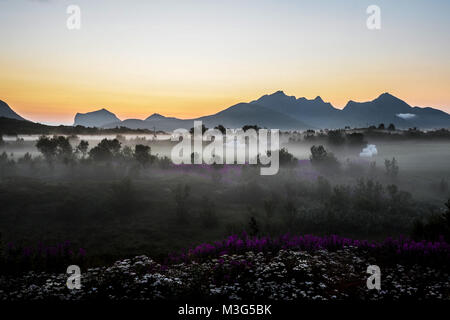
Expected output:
(286, 158)
(435, 227)
(142, 154)
(335, 137)
(105, 150)
(320, 157)
(391, 167)
(57, 147)
(356, 139)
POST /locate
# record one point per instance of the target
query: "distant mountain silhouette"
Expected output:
(278, 110)
(389, 109)
(97, 118)
(7, 112)
(315, 113)
(233, 117)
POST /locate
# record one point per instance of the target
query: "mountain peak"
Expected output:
(278, 93)
(156, 116)
(7, 112)
(96, 118)
(386, 96)
(318, 99)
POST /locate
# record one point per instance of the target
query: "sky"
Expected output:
(191, 58)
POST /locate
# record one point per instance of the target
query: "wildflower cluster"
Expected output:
(289, 268)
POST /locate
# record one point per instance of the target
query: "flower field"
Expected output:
(286, 268)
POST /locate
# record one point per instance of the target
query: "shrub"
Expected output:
(142, 154)
(435, 227)
(286, 158)
(356, 139)
(335, 137)
(105, 150)
(320, 157)
(57, 147)
(391, 167)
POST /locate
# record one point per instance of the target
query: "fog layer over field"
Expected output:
(119, 198)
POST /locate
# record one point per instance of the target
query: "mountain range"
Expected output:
(278, 110)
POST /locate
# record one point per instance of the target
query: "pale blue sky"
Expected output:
(188, 58)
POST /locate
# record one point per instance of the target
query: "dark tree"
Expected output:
(446, 215)
(391, 167)
(391, 127)
(83, 147)
(381, 126)
(105, 150)
(221, 128)
(142, 154)
(356, 139)
(335, 137)
(247, 127)
(64, 149)
(286, 158)
(47, 147)
(57, 147)
(191, 131)
(319, 156)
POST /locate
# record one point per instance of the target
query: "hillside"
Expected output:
(7, 112)
(284, 112)
(13, 127)
(95, 118)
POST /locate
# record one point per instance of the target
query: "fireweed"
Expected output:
(399, 249)
(237, 147)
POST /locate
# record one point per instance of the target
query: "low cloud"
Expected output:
(406, 116)
(369, 151)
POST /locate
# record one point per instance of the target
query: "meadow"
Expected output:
(123, 205)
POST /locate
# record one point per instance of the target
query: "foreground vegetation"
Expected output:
(118, 199)
(244, 268)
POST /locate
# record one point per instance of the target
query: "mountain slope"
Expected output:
(95, 118)
(278, 110)
(389, 109)
(7, 112)
(233, 117)
(315, 112)
(249, 113)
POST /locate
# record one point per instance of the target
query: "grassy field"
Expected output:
(120, 209)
